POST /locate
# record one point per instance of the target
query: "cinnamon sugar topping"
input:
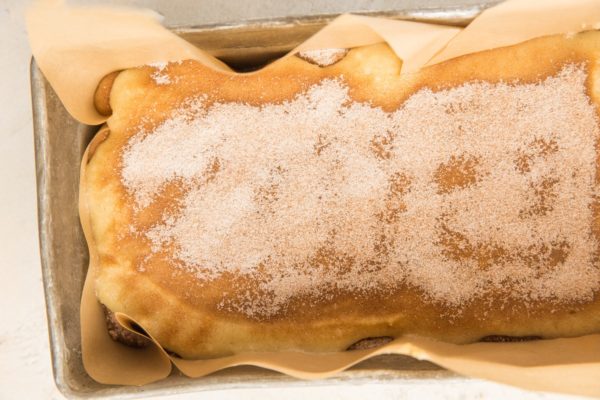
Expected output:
(323, 57)
(159, 76)
(459, 193)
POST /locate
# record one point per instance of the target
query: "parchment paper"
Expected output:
(515, 21)
(74, 49)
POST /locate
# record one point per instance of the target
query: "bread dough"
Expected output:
(305, 208)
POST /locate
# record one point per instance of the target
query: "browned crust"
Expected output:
(120, 334)
(102, 94)
(509, 339)
(374, 342)
(370, 343)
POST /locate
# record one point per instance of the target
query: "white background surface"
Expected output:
(25, 370)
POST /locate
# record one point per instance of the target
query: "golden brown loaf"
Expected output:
(306, 207)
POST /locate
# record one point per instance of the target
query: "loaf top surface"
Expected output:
(455, 203)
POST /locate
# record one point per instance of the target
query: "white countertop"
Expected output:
(25, 370)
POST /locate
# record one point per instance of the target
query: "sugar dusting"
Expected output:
(159, 77)
(322, 194)
(323, 57)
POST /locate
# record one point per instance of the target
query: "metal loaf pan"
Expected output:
(59, 144)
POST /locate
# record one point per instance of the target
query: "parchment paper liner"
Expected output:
(74, 63)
